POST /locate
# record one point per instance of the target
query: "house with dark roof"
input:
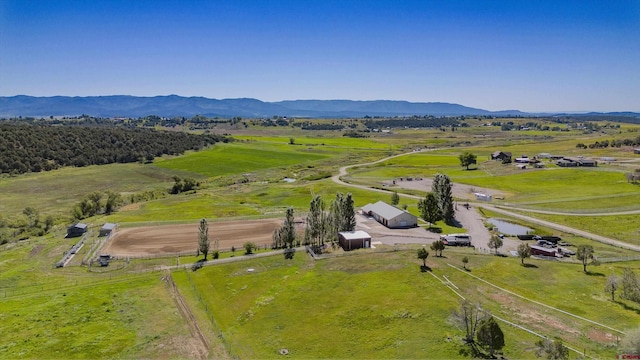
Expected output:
(390, 216)
(77, 230)
(501, 156)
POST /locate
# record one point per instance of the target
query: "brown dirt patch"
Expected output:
(36, 250)
(171, 239)
(130, 207)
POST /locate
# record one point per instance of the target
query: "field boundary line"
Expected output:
(539, 303)
(449, 283)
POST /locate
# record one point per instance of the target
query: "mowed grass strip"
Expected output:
(225, 159)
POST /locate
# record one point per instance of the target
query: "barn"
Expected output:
(539, 250)
(107, 228)
(351, 240)
(77, 230)
(390, 216)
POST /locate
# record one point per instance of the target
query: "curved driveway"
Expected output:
(472, 221)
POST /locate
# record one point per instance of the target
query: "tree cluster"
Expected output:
(613, 143)
(96, 203)
(479, 326)
(183, 185)
(325, 225)
(285, 235)
(35, 148)
(412, 122)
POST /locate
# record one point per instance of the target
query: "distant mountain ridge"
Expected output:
(174, 105)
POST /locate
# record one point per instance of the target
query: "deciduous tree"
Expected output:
(429, 209)
(552, 349)
(524, 251)
(423, 254)
(441, 187)
(584, 253)
(495, 243)
(395, 198)
(438, 246)
(467, 159)
(465, 261)
(468, 317)
(611, 286)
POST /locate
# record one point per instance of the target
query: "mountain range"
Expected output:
(174, 105)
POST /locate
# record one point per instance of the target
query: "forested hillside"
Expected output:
(34, 148)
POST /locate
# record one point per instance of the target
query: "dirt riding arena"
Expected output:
(172, 239)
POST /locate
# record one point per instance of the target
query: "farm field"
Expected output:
(311, 308)
(170, 239)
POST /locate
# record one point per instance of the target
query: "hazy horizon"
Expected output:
(532, 56)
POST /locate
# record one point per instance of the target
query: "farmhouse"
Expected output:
(390, 216)
(502, 156)
(636, 151)
(106, 229)
(77, 230)
(351, 240)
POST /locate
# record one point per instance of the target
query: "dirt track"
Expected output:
(167, 239)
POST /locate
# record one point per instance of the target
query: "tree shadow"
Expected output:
(289, 253)
(530, 266)
(627, 307)
(198, 265)
(594, 273)
(424, 268)
(435, 229)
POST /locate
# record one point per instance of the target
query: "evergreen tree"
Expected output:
(490, 335)
(203, 238)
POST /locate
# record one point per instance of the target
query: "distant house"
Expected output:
(390, 216)
(579, 161)
(77, 230)
(351, 240)
(524, 159)
(636, 151)
(501, 156)
(107, 228)
(564, 162)
(588, 162)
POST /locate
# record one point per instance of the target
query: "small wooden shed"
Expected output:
(77, 230)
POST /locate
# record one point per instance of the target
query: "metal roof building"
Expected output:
(390, 216)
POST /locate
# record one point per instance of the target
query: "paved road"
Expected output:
(472, 221)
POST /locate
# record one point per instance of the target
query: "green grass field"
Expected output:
(371, 305)
(304, 305)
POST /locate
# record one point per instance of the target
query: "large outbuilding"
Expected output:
(351, 240)
(77, 230)
(390, 216)
(107, 228)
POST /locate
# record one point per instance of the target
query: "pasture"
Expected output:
(368, 305)
(312, 307)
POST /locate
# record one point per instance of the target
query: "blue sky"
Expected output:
(526, 55)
